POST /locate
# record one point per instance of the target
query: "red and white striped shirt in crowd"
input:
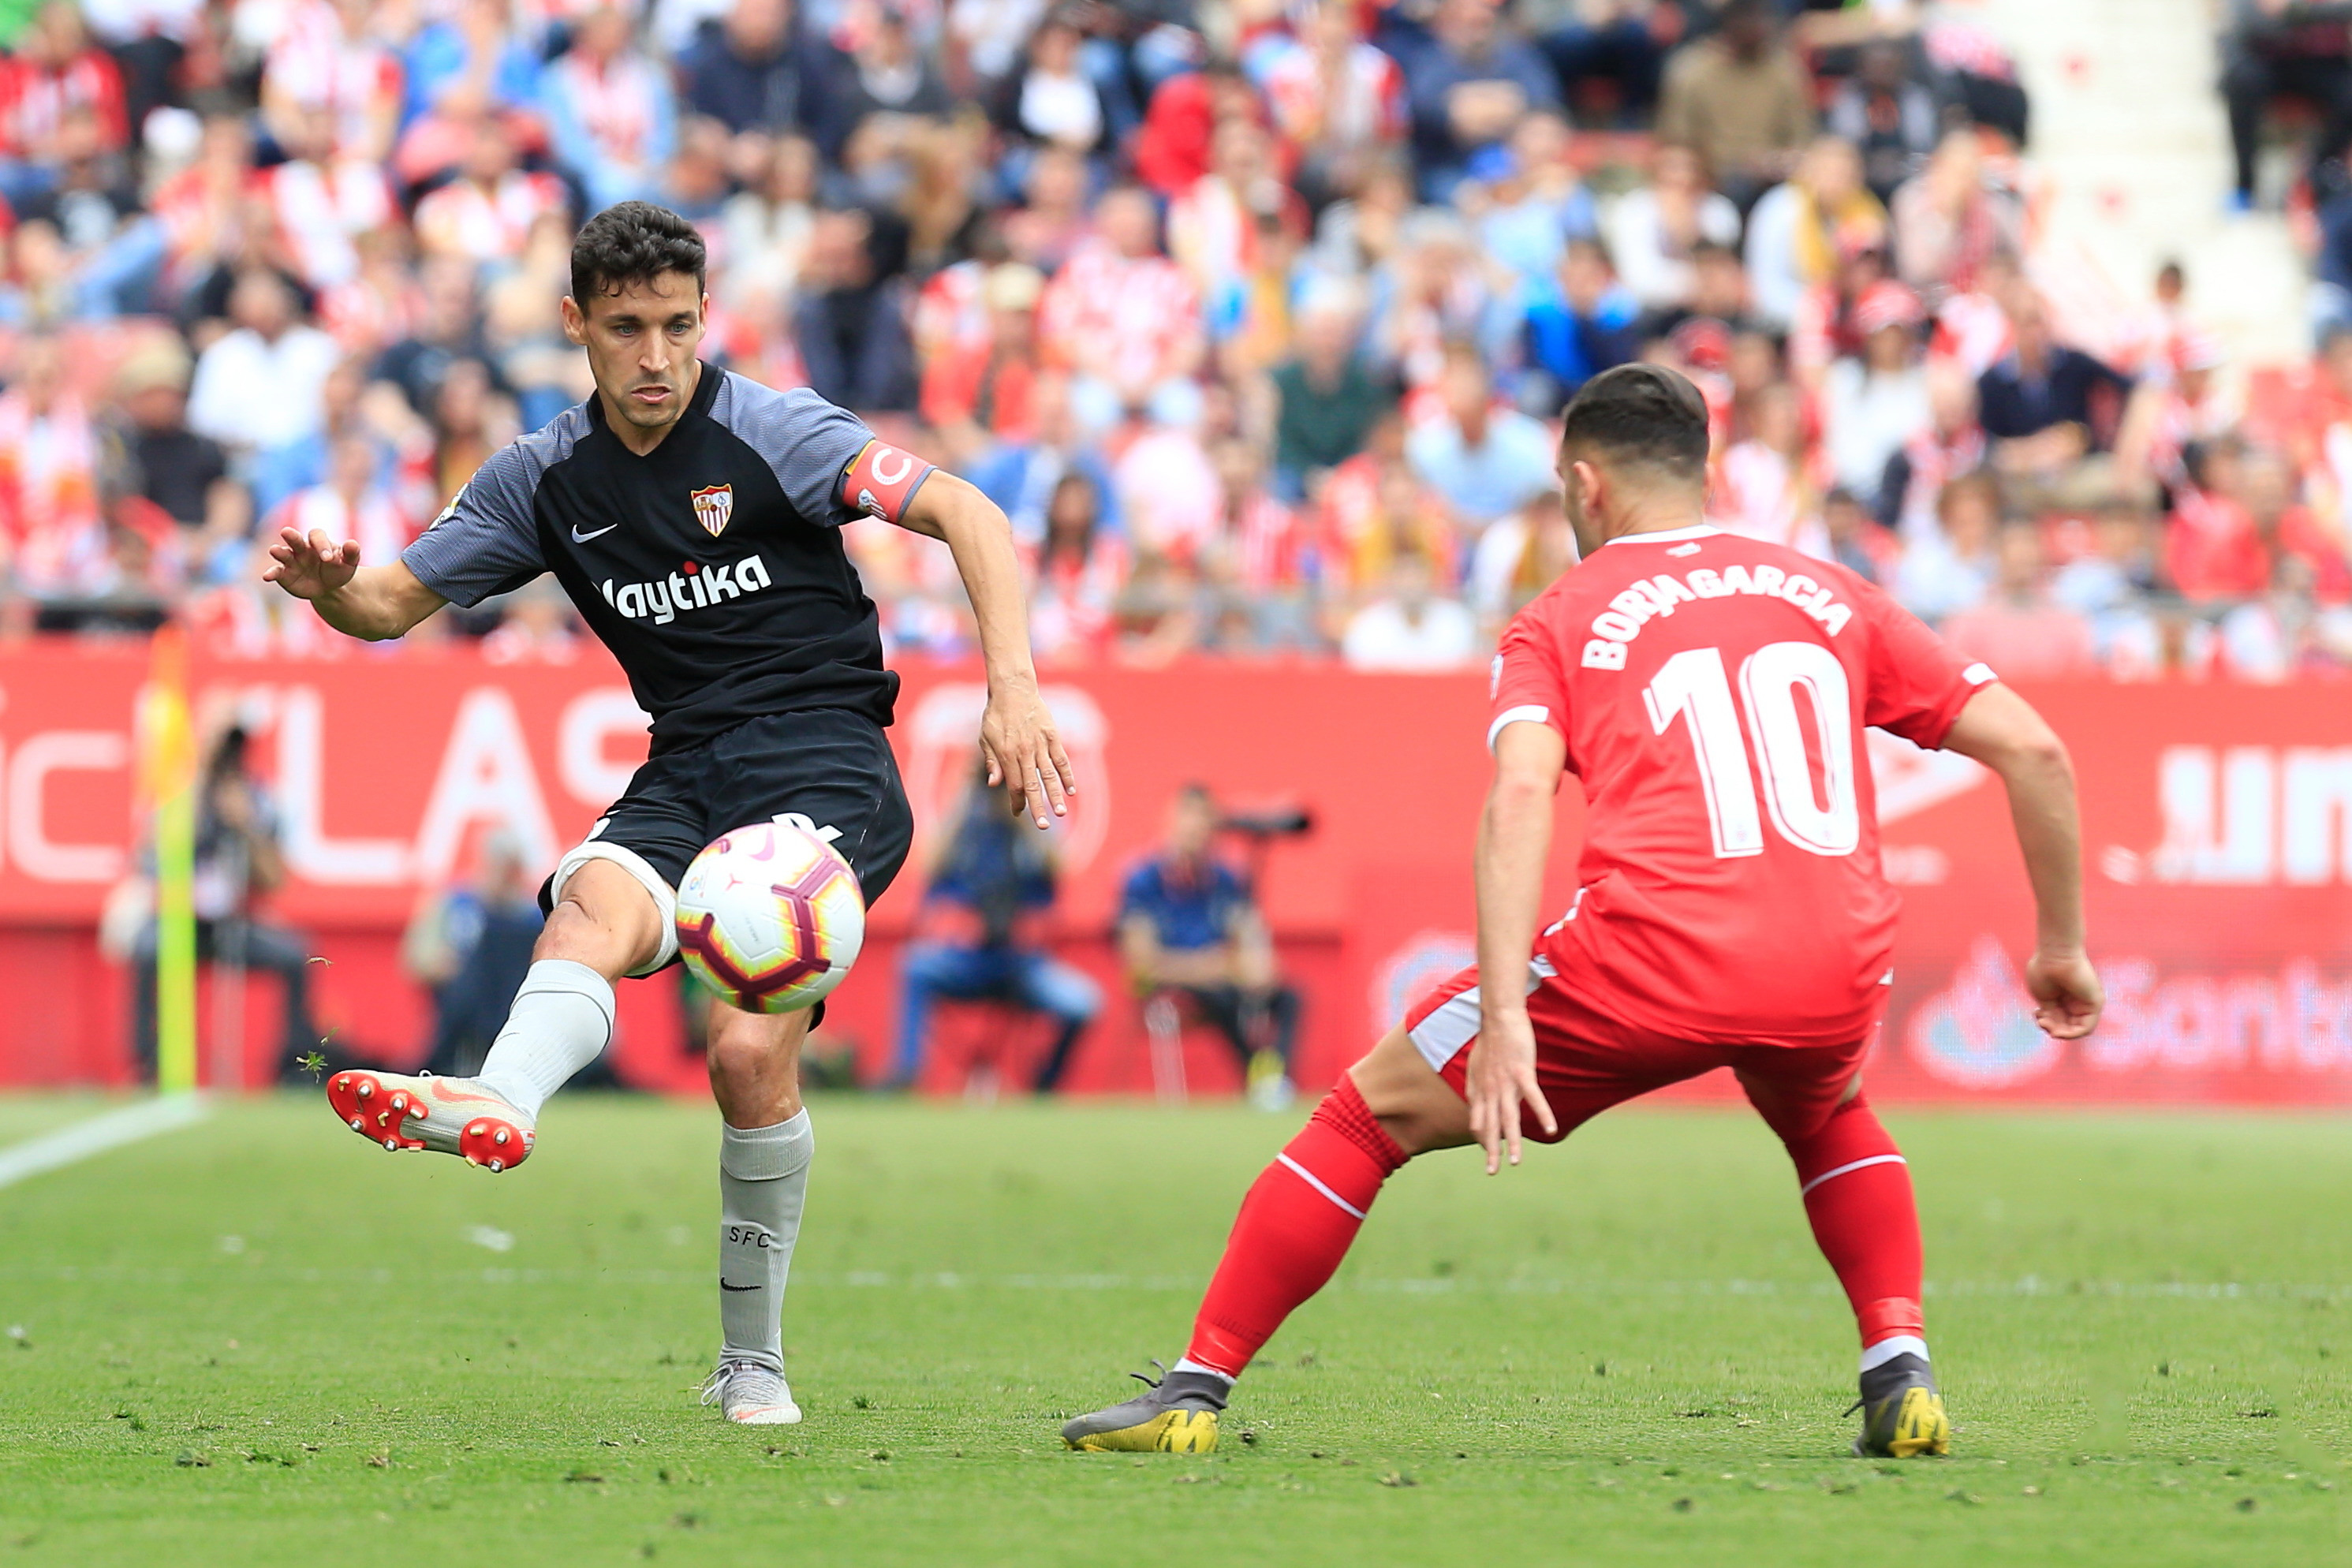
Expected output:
(1361, 102)
(49, 495)
(34, 100)
(1071, 602)
(949, 311)
(616, 101)
(317, 63)
(1128, 318)
(1266, 544)
(461, 219)
(320, 210)
(379, 527)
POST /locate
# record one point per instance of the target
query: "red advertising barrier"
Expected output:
(2217, 834)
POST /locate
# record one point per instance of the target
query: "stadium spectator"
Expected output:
(1049, 99)
(49, 456)
(1579, 323)
(1330, 399)
(1654, 231)
(1526, 200)
(1189, 926)
(484, 214)
(1740, 100)
(1410, 627)
(1951, 219)
(165, 462)
(1336, 100)
(1487, 461)
(1947, 567)
(1875, 406)
(53, 75)
(1887, 115)
(2045, 404)
(470, 946)
(758, 75)
(237, 858)
(1080, 567)
(2018, 622)
(980, 936)
(1799, 228)
(1622, 45)
(981, 394)
(851, 324)
(1469, 86)
(1120, 315)
(611, 118)
(259, 384)
(2267, 50)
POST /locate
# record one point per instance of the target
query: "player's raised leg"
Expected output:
(606, 922)
(1296, 1223)
(1856, 1188)
(764, 1149)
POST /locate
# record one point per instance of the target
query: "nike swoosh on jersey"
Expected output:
(724, 1285)
(580, 538)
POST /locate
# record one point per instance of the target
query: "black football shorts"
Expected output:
(828, 768)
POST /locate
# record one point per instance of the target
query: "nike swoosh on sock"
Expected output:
(724, 1285)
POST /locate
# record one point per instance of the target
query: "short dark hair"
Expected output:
(1643, 413)
(635, 242)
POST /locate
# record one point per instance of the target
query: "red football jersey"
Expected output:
(1713, 692)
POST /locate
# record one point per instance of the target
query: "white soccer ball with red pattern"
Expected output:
(771, 918)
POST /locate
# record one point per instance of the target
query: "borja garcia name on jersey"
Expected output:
(695, 588)
(1619, 624)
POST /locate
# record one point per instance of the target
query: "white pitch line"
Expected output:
(99, 1134)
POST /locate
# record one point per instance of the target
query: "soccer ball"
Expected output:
(771, 918)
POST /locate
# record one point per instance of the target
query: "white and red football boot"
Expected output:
(450, 1115)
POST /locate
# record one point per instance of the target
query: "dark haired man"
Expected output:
(694, 518)
(1711, 816)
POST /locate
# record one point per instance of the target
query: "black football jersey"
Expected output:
(712, 566)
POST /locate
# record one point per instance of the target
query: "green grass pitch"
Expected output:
(258, 1342)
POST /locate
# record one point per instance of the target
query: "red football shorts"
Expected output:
(1587, 1061)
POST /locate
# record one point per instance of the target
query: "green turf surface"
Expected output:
(258, 1342)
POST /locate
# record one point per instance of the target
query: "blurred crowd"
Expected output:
(1254, 315)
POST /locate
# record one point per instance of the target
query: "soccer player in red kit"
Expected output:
(1711, 692)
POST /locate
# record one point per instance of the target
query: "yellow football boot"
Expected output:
(1902, 1414)
(1177, 1415)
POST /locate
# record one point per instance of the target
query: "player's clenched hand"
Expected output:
(2067, 998)
(1024, 755)
(313, 567)
(1502, 1079)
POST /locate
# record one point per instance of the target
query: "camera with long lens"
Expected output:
(1270, 822)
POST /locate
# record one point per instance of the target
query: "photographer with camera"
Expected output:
(1190, 928)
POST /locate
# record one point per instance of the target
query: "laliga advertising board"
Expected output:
(2217, 834)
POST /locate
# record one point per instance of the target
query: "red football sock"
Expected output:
(1857, 1192)
(1295, 1225)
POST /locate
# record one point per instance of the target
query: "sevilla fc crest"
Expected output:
(714, 508)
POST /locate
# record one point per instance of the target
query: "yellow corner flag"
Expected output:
(167, 792)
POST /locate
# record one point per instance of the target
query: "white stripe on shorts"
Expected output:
(1454, 1022)
(1309, 1177)
(1855, 1165)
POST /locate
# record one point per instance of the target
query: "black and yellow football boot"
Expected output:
(1902, 1414)
(1177, 1415)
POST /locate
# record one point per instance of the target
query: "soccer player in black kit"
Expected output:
(693, 516)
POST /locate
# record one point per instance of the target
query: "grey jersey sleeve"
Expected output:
(485, 541)
(807, 442)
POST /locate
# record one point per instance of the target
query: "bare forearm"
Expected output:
(379, 603)
(1514, 842)
(981, 542)
(2050, 835)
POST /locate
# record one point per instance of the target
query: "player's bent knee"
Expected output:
(605, 919)
(1416, 1107)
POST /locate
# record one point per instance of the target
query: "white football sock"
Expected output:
(762, 1181)
(1186, 1364)
(1886, 1350)
(561, 1021)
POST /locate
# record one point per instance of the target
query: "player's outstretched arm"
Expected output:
(1513, 841)
(2001, 729)
(1016, 734)
(374, 602)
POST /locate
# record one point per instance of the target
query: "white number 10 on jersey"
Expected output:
(1692, 686)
